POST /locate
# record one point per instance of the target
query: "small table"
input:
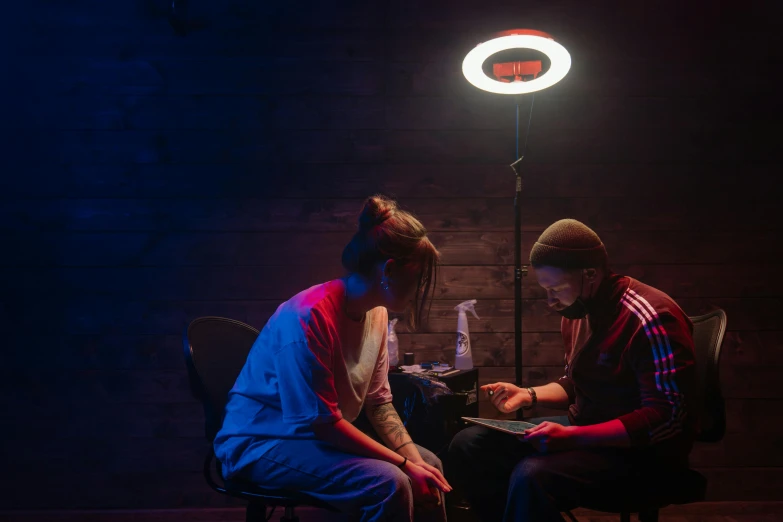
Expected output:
(431, 412)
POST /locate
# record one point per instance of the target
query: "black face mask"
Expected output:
(579, 309)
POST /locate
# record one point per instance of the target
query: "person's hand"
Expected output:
(427, 483)
(506, 397)
(550, 436)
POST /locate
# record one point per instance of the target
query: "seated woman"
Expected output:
(320, 359)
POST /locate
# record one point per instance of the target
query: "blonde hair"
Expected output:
(388, 232)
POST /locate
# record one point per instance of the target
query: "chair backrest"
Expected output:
(708, 331)
(215, 349)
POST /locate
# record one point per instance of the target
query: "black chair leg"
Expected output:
(255, 512)
(289, 515)
(625, 516)
(649, 515)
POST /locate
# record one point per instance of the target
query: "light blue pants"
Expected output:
(372, 489)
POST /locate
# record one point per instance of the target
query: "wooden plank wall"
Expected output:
(156, 179)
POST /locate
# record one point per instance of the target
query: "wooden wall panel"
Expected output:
(561, 114)
(114, 490)
(407, 181)
(117, 315)
(280, 282)
(224, 40)
(434, 147)
(474, 214)
(210, 248)
(208, 76)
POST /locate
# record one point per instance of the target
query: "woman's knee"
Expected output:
(392, 484)
(386, 496)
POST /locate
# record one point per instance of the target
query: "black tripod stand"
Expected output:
(519, 270)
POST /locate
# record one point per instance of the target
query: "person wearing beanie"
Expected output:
(628, 388)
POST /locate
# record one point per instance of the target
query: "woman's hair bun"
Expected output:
(377, 209)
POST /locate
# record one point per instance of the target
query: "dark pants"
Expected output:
(505, 479)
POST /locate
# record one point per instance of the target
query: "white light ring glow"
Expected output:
(557, 54)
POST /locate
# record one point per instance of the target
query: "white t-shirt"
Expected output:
(310, 364)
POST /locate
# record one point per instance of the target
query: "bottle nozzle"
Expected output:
(467, 305)
(392, 323)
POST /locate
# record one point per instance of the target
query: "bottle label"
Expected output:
(462, 343)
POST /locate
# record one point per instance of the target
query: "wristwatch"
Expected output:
(533, 398)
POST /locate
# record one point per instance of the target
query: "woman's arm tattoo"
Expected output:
(386, 420)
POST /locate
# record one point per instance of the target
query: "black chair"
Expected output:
(649, 497)
(215, 352)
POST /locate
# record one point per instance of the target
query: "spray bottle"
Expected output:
(464, 359)
(393, 344)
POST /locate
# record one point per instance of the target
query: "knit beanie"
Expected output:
(568, 244)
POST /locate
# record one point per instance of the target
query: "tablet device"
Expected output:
(508, 426)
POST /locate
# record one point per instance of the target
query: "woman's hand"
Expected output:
(506, 397)
(427, 483)
(550, 436)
